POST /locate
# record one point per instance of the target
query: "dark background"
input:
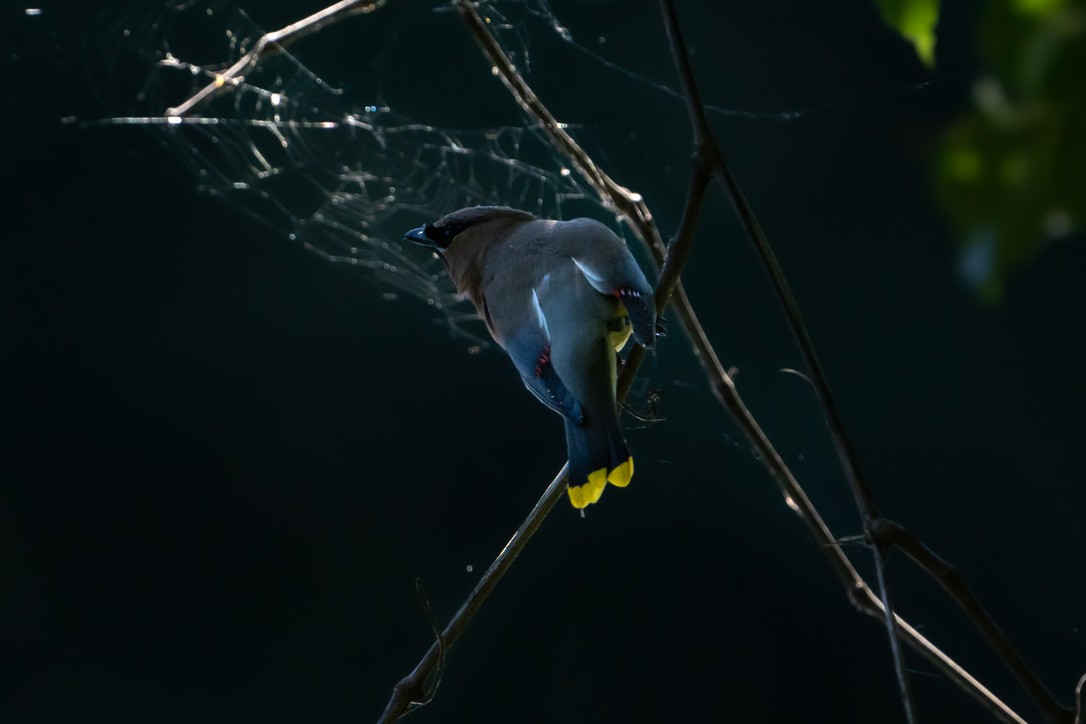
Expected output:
(226, 461)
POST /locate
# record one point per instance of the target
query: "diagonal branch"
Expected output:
(708, 154)
(626, 202)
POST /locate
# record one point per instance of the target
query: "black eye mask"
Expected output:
(442, 236)
(438, 237)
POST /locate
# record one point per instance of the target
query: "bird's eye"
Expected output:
(443, 235)
(453, 228)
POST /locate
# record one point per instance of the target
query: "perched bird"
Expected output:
(560, 297)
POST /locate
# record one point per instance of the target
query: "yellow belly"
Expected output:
(619, 328)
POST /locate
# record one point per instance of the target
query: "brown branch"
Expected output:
(626, 202)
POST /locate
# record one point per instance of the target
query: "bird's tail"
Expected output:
(597, 455)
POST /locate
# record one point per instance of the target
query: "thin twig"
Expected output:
(626, 202)
(429, 690)
(887, 532)
(271, 43)
(861, 595)
(412, 688)
(1078, 699)
(708, 154)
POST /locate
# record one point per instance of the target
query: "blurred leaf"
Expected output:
(1010, 172)
(915, 20)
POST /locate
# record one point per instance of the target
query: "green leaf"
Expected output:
(915, 20)
(1009, 171)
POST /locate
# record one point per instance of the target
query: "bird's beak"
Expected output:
(418, 236)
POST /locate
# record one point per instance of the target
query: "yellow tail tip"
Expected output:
(621, 475)
(589, 492)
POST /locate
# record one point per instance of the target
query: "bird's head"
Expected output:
(440, 234)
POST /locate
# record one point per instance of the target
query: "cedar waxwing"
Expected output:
(560, 297)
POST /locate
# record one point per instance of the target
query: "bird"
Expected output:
(561, 298)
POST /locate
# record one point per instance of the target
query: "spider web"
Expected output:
(342, 176)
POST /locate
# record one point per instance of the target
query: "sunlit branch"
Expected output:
(630, 204)
(272, 43)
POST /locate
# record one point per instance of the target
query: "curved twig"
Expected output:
(429, 690)
(1078, 700)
